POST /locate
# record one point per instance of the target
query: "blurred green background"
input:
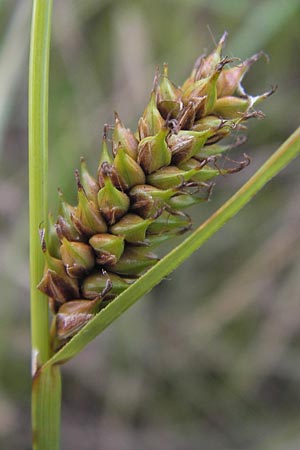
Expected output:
(210, 360)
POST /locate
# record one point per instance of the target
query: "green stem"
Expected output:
(288, 151)
(38, 171)
(46, 395)
(46, 383)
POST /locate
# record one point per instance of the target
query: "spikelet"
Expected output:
(143, 185)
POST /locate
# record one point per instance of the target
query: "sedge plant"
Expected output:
(97, 258)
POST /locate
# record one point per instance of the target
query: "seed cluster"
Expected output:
(95, 249)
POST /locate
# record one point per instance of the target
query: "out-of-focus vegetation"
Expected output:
(211, 358)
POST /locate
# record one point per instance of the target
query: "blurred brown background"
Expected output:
(210, 360)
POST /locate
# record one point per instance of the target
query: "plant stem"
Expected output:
(38, 171)
(46, 383)
(46, 399)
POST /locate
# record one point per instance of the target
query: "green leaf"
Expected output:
(280, 159)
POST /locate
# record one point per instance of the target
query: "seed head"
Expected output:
(144, 182)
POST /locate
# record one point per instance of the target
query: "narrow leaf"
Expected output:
(289, 150)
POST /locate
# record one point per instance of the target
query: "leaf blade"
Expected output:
(288, 151)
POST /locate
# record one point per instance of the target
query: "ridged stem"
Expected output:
(46, 383)
(38, 171)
